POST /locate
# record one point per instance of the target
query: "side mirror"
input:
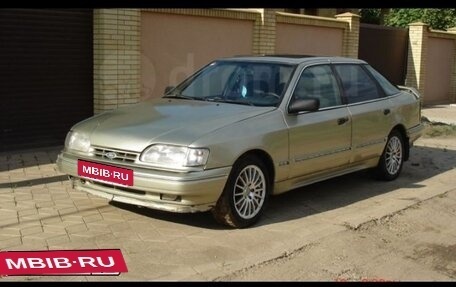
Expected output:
(304, 105)
(169, 89)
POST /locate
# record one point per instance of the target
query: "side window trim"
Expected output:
(342, 94)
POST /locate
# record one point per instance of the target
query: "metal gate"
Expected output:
(385, 49)
(46, 75)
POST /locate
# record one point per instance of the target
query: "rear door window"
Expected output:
(357, 84)
(387, 87)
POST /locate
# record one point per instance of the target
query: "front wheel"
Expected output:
(392, 159)
(246, 192)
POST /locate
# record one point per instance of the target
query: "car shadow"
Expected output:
(33, 182)
(199, 219)
(424, 163)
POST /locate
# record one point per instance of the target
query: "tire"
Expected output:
(241, 204)
(390, 165)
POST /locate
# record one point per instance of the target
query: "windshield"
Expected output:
(250, 83)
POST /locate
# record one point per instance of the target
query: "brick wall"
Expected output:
(177, 42)
(416, 61)
(116, 58)
(417, 66)
(117, 49)
(265, 32)
(351, 34)
(309, 35)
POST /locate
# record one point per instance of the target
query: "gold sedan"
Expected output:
(242, 129)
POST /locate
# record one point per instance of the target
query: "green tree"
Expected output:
(370, 15)
(436, 18)
(373, 15)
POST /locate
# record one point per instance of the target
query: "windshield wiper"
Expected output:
(180, 96)
(221, 100)
(217, 99)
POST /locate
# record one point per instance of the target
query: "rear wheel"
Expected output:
(245, 195)
(392, 159)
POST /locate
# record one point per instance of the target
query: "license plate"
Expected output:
(107, 173)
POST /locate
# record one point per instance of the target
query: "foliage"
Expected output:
(370, 16)
(441, 18)
(436, 18)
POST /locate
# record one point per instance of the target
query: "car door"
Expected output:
(370, 111)
(319, 141)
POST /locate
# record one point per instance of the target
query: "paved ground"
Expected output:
(40, 211)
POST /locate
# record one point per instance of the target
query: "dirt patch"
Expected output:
(416, 243)
(432, 130)
(441, 257)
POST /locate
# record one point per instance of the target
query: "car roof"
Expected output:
(294, 59)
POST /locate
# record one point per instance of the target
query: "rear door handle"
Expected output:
(342, 121)
(386, 111)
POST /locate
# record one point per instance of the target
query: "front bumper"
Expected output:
(163, 190)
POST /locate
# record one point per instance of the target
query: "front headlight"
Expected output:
(77, 141)
(174, 156)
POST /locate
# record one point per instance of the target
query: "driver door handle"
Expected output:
(342, 121)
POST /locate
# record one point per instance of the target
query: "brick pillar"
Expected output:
(416, 61)
(351, 34)
(265, 32)
(116, 58)
(453, 78)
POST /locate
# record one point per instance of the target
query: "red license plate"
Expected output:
(105, 172)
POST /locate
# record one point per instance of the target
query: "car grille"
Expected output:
(120, 155)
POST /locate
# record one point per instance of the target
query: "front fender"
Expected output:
(267, 132)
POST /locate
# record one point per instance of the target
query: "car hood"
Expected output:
(172, 121)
